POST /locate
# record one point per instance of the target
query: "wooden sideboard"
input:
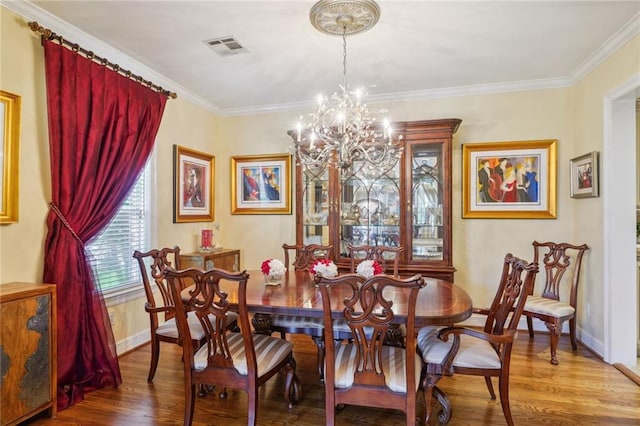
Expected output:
(27, 350)
(228, 259)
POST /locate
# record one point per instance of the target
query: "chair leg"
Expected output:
(530, 326)
(427, 389)
(319, 341)
(252, 396)
(572, 334)
(189, 403)
(155, 354)
(504, 398)
(554, 334)
(292, 385)
(487, 380)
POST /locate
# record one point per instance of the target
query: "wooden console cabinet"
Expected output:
(228, 259)
(27, 350)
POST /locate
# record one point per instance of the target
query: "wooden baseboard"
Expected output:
(632, 375)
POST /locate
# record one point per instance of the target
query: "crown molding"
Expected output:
(44, 18)
(31, 12)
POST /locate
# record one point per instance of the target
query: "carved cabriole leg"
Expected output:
(445, 414)
(427, 388)
(261, 323)
(292, 386)
(555, 330)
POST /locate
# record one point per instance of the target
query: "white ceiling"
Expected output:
(417, 49)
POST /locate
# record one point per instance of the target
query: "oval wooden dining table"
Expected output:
(439, 303)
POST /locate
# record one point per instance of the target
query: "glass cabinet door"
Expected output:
(315, 202)
(369, 208)
(427, 199)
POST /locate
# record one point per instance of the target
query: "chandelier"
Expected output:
(343, 131)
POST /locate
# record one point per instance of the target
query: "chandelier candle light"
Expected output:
(343, 131)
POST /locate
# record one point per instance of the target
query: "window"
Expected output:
(111, 254)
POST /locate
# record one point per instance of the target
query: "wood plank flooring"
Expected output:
(582, 390)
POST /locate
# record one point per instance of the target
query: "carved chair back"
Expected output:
(305, 255)
(388, 257)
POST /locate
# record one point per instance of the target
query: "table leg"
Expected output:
(261, 323)
(445, 414)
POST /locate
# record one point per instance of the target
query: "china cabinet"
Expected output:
(407, 206)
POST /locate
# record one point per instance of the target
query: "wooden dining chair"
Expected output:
(161, 308)
(388, 257)
(304, 256)
(364, 371)
(484, 352)
(558, 299)
(238, 360)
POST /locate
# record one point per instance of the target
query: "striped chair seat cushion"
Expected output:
(473, 352)
(269, 352)
(169, 328)
(393, 362)
(293, 321)
(550, 307)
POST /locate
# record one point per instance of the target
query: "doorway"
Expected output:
(620, 263)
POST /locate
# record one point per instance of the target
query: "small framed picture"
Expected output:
(584, 176)
(9, 156)
(193, 173)
(261, 184)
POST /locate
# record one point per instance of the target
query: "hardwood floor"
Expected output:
(582, 390)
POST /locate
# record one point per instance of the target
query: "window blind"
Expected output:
(111, 254)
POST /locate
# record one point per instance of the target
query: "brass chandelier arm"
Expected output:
(47, 34)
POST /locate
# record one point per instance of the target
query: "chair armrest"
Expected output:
(507, 337)
(157, 309)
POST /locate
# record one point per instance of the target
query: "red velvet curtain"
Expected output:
(102, 127)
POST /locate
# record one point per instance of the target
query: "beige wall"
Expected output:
(573, 116)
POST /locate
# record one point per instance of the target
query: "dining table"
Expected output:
(439, 303)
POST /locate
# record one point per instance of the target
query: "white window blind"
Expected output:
(111, 254)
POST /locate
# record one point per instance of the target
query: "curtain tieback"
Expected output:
(64, 221)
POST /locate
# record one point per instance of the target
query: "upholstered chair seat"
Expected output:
(170, 329)
(473, 352)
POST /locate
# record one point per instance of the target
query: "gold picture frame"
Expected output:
(193, 191)
(509, 180)
(10, 146)
(261, 184)
(584, 176)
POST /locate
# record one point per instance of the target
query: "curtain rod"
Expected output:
(47, 34)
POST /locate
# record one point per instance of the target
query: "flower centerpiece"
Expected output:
(369, 268)
(324, 268)
(273, 270)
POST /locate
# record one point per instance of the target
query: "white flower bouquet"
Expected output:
(369, 268)
(273, 268)
(324, 268)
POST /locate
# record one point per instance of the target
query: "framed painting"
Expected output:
(10, 150)
(509, 180)
(193, 179)
(261, 184)
(584, 176)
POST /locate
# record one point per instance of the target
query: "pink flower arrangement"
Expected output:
(369, 268)
(324, 268)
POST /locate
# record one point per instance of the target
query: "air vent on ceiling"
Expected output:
(225, 46)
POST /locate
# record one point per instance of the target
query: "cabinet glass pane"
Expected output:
(315, 201)
(369, 209)
(427, 200)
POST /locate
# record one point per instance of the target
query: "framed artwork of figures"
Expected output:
(261, 184)
(193, 178)
(584, 176)
(10, 156)
(509, 180)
